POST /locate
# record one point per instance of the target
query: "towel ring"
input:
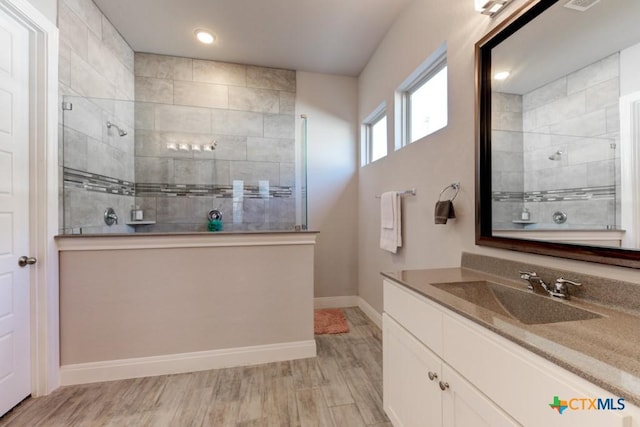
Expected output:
(455, 186)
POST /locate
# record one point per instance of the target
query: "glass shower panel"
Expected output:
(97, 163)
(165, 161)
(176, 170)
(301, 178)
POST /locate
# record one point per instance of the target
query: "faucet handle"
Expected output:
(530, 276)
(526, 275)
(560, 288)
(570, 282)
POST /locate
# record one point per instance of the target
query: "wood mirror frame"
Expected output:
(484, 232)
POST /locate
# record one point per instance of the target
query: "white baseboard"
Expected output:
(370, 312)
(110, 370)
(349, 301)
(336, 302)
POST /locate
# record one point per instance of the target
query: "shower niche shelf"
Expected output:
(134, 223)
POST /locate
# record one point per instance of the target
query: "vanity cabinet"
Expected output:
(421, 390)
(440, 368)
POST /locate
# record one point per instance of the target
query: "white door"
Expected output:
(15, 357)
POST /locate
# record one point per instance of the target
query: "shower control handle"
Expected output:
(110, 217)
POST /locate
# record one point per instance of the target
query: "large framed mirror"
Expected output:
(558, 127)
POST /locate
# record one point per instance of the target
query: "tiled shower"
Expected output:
(556, 150)
(200, 136)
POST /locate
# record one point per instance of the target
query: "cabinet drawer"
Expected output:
(520, 381)
(415, 313)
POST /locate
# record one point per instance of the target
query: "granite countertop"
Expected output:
(604, 351)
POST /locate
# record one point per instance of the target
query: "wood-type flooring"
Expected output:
(340, 387)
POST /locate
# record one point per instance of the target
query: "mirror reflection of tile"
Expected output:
(555, 149)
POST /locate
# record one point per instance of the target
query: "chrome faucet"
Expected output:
(533, 279)
(560, 288)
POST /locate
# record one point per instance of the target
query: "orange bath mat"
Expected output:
(330, 321)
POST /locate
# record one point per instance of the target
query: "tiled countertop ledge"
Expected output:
(604, 351)
(86, 242)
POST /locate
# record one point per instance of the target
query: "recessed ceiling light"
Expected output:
(204, 36)
(502, 75)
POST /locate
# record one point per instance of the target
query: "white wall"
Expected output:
(49, 8)
(630, 70)
(330, 103)
(437, 160)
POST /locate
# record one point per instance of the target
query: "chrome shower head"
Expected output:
(557, 155)
(121, 131)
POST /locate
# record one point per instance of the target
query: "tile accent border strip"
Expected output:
(218, 191)
(99, 183)
(104, 184)
(605, 192)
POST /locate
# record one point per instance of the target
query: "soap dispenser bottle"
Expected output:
(525, 215)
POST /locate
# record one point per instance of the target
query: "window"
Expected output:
(378, 139)
(427, 106)
(375, 136)
(424, 99)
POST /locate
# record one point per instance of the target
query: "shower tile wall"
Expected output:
(95, 62)
(247, 110)
(577, 115)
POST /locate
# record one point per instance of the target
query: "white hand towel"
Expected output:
(390, 231)
(387, 210)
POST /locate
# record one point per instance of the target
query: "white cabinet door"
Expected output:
(411, 398)
(465, 406)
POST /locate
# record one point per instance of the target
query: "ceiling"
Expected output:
(563, 40)
(329, 36)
